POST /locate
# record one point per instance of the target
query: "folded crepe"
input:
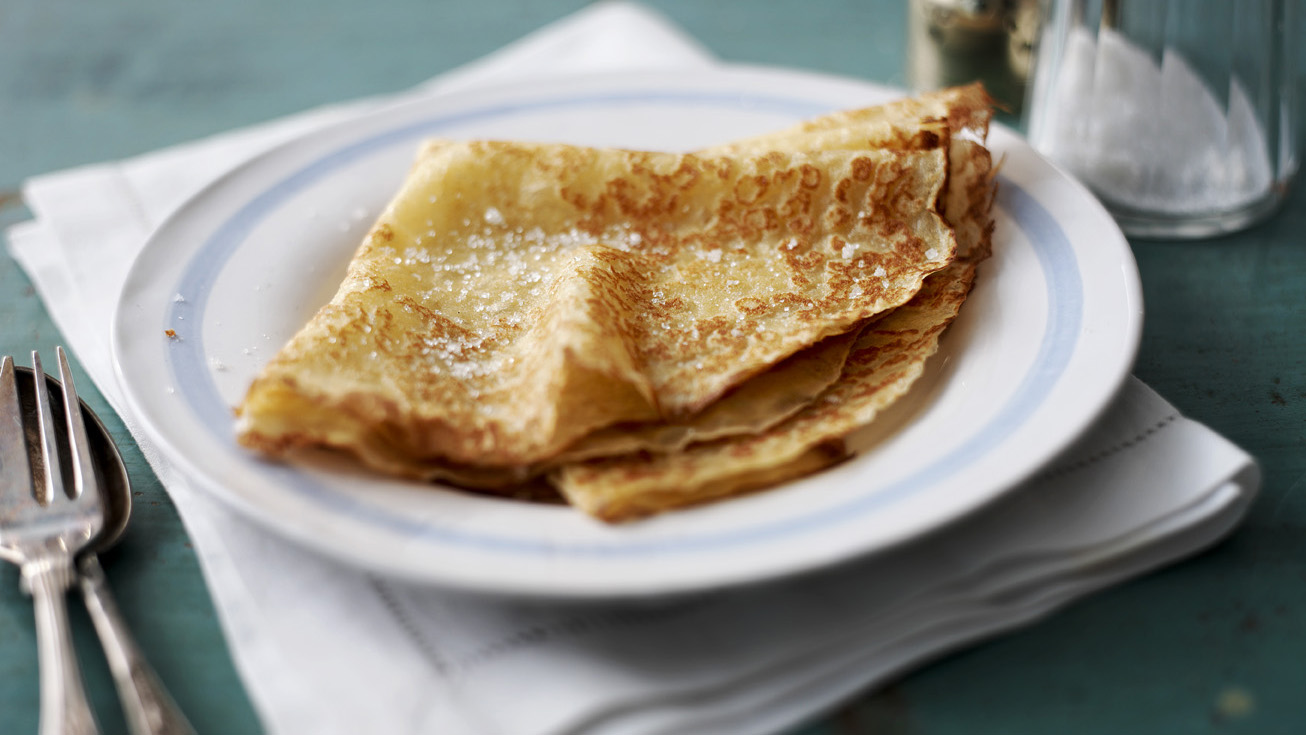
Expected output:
(522, 308)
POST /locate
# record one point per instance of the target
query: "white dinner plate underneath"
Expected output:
(1046, 338)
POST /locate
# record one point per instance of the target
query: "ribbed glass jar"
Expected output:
(1181, 115)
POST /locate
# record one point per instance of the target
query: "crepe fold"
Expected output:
(887, 357)
(644, 328)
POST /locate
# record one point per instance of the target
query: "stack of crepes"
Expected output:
(642, 330)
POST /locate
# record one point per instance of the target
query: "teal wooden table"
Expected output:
(1216, 644)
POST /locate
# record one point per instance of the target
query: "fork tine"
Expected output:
(53, 473)
(79, 446)
(15, 469)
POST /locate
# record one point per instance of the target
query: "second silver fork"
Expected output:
(46, 518)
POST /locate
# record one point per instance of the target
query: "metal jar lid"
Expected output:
(951, 42)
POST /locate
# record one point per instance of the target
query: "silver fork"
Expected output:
(49, 510)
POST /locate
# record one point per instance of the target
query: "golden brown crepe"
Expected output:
(516, 297)
(654, 330)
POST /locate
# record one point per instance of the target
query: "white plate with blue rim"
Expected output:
(1040, 348)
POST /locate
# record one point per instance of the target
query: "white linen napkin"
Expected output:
(325, 648)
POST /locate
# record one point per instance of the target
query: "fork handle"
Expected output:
(145, 702)
(64, 709)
